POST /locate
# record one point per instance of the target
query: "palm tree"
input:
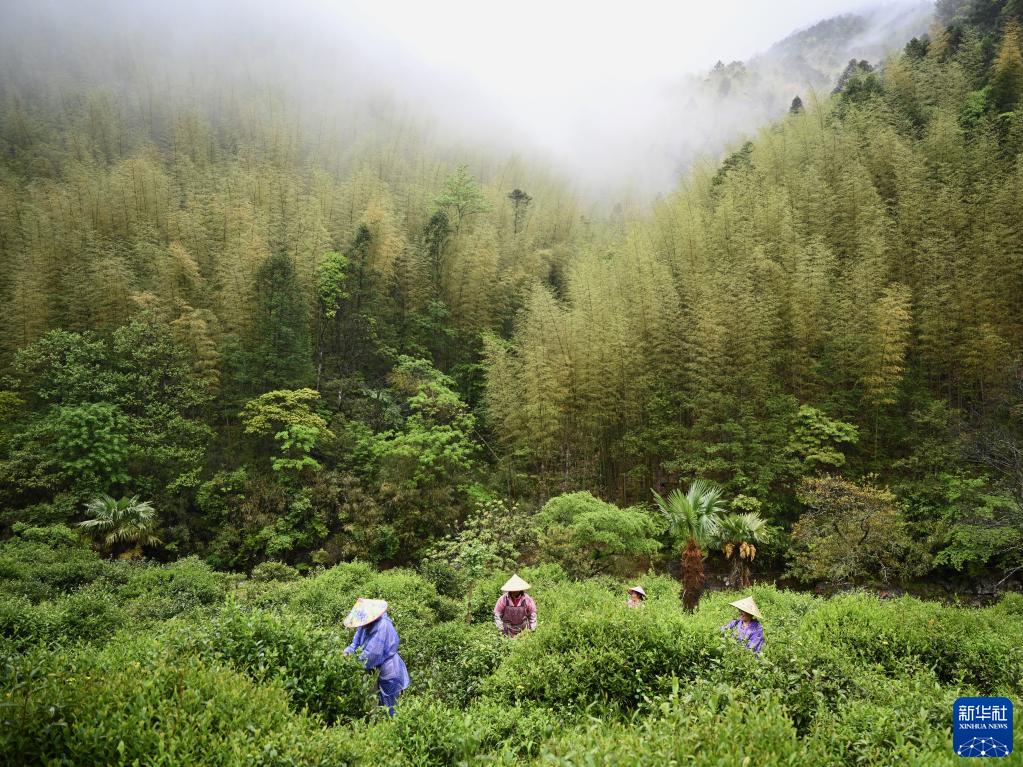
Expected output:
(692, 522)
(738, 536)
(124, 521)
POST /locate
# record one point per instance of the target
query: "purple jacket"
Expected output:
(377, 647)
(750, 634)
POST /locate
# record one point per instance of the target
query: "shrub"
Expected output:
(705, 725)
(88, 615)
(328, 596)
(1010, 604)
(448, 581)
(39, 571)
(428, 733)
(54, 536)
(588, 536)
(274, 571)
(131, 704)
(21, 621)
(603, 653)
(452, 660)
(305, 661)
(544, 579)
(847, 680)
(159, 592)
(975, 647)
(891, 721)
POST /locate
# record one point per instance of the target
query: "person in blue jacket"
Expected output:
(376, 642)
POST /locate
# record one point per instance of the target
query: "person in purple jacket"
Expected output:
(376, 642)
(746, 628)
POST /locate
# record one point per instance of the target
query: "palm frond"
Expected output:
(693, 515)
(742, 528)
(127, 520)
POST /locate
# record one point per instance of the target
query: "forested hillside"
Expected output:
(304, 350)
(160, 275)
(274, 342)
(842, 294)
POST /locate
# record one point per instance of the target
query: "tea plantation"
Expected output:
(116, 663)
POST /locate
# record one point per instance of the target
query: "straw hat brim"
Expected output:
(365, 611)
(638, 590)
(515, 583)
(747, 605)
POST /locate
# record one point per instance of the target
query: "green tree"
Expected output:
(520, 206)
(331, 294)
(817, 440)
(492, 538)
(115, 523)
(91, 443)
(283, 356)
(1007, 70)
(462, 196)
(692, 520)
(286, 416)
(852, 533)
(425, 469)
(588, 536)
(75, 440)
(738, 536)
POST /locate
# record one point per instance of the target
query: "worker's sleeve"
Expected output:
(498, 614)
(756, 641)
(356, 641)
(531, 615)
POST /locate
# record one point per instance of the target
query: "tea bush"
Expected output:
(972, 647)
(34, 568)
(901, 721)
(453, 659)
(88, 615)
(303, 660)
(114, 663)
(131, 704)
(161, 592)
(274, 571)
(328, 595)
(544, 580)
(705, 725)
(606, 653)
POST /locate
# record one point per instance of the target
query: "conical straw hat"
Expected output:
(365, 611)
(515, 583)
(638, 590)
(747, 605)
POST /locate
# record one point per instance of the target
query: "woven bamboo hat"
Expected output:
(747, 605)
(638, 590)
(365, 611)
(515, 583)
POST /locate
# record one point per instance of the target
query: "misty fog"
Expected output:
(616, 99)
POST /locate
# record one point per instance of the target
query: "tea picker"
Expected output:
(376, 642)
(515, 610)
(746, 628)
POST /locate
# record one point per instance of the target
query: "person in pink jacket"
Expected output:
(515, 611)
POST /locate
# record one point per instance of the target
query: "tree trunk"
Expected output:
(693, 578)
(736, 577)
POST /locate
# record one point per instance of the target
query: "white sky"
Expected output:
(583, 83)
(579, 78)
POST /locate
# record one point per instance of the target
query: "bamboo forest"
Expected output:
(446, 384)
